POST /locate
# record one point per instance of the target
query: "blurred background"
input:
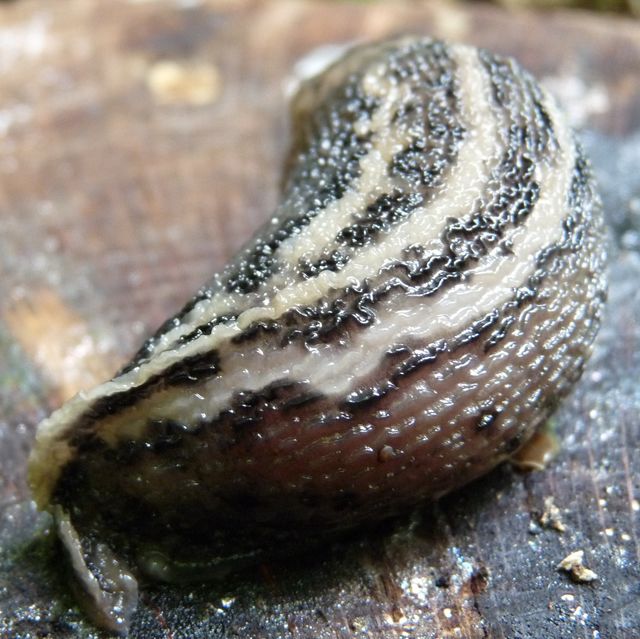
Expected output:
(622, 6)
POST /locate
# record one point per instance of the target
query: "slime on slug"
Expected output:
(428, 288)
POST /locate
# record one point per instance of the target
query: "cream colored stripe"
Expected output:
(477, 156)
(373, 181)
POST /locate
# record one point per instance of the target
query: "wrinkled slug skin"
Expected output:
(427, 290)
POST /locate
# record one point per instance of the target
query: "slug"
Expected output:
(425, 293)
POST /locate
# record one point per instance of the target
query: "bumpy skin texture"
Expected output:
(426, 292)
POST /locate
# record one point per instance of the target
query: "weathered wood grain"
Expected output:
(139, 147)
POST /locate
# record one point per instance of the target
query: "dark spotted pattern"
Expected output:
(387, 211)
(325, 172)
(431, 116)
(437, 132)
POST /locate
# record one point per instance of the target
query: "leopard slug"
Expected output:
(426, 291)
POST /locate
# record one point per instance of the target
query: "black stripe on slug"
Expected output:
(431, 118)
(367, 396)
(554, 257)
(434, 121)
(379, 217)
(512, 194)
(581, 191)
(187, 371)
(325, 171)
(334, 260)
(205, 329)
(246, 410)
(517, 93)
(150, 344)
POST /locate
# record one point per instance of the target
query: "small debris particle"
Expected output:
(537, 452)
(479, 580)
(443, 581)
(358, 624)
(568, 597)
(574, 565)
(551, 517)
(179, 83)
(396, 616)
(447, 613)
(386, 453)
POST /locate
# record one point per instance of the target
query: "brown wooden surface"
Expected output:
(139, 147)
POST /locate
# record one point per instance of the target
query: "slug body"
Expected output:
(427, 290)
